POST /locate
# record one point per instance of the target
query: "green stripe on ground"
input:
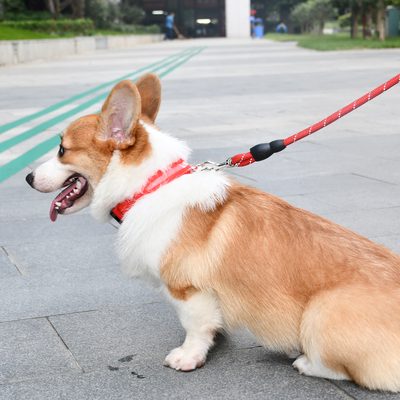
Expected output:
(63, 103)
(19, 163)
(6, 144)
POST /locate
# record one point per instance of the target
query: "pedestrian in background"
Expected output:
(169, 26)
(281, 28)
(252, 21)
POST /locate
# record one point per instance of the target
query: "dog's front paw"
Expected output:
(303, 365)
(183, 360)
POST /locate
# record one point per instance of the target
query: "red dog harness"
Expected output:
(160, 178)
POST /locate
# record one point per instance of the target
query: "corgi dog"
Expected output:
(228, 255)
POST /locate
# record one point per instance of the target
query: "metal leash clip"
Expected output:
(212, 166)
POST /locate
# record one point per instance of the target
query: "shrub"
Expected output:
(135, 29)
(29, 16)
(76, 27)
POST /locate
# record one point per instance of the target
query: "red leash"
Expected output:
(265, 150)
(257, 153)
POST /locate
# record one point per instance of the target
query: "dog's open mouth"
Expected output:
(77, 187)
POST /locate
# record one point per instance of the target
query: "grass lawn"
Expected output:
(7, 33)
(339, 41)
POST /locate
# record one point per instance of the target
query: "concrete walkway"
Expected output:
(72, 326)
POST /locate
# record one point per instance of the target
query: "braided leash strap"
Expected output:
(265, 150)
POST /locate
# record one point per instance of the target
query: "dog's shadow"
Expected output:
(250, 351)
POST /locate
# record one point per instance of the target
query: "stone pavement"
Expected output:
(72, 326)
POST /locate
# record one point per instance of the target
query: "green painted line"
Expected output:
(182, 62)
(6, 144)
(54, 107)
(19, 163)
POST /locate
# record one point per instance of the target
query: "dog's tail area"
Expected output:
(354, 332)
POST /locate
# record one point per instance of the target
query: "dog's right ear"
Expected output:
(120, 115)
(149, 87)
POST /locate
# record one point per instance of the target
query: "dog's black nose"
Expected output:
(29, 178)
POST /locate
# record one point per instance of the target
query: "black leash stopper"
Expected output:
(264, 150)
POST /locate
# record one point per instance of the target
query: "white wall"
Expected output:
(237, 13)
(21, 51)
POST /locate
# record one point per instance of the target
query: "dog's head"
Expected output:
(88, 145)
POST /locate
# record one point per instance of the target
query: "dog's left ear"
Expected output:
(149, 87)
(120, 115)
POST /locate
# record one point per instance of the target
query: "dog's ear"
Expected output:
(120, 115)
(149, 87)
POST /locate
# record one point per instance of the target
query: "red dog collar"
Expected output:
(160, 178)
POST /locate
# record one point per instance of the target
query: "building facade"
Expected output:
(202, 18)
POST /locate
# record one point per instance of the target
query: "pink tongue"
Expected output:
(61, 198)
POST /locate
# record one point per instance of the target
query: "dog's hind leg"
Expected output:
(201, 317)
(353, 333)
(316, 368)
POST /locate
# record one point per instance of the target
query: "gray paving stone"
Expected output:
(30, 349)
(147, 332)
(366, 194)
(252, 374)
(41, 230)
(63, 255)
(23, 210)
(369, 223)
(359, 393)
(122, 384)
(17, 180)
(309, 204)
(7, 268)
(392, 242)
(230, 97)
(70, 291)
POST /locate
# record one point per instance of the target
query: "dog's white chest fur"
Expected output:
(151, 225)
(154, 221)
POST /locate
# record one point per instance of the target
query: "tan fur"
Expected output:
(91, 151)
(295, 279)
(149, 87)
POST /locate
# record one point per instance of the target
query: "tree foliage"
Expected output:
(312, 15)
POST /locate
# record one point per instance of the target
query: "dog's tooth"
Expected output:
(69, 195)
(57, 208)
(76, 190)
(78, 184)
(58, 204)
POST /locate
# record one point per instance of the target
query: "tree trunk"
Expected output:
(81, 8)
(50, 7)
(354, 22)
(380, 19)
(368, 23)
(321, 27)
(57, 10)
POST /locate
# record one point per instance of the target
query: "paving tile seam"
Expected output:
(11, 259)
(64, 344)
(373, 179)
(86, 311)
(241, 176)
(308, 196)
(65, 270)
(39, 377)
(338, 388)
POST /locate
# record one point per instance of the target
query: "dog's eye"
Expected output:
(61, 151)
